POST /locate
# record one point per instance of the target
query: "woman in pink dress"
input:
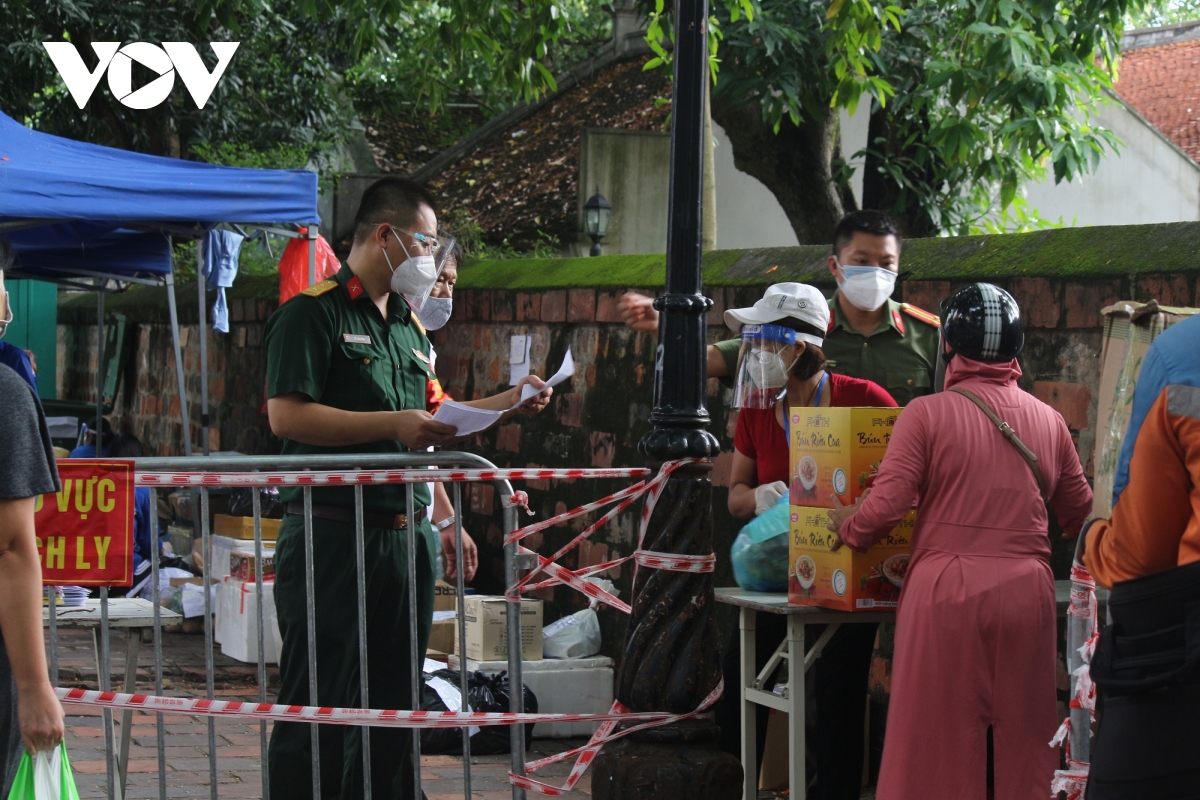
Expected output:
(975, 629)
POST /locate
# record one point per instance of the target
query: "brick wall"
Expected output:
(595, 419)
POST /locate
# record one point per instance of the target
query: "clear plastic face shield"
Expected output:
(418, 274)
(6, 314)
(767, 356)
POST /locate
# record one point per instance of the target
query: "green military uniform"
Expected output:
(331, 344)
(900, 355)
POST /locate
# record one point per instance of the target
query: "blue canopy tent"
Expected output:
(75, 212)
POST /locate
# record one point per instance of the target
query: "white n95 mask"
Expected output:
(867, 288)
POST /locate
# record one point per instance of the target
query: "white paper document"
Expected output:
(518, 358)
(467, 419)
(565, 371)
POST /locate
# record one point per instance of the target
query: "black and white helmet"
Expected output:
(982, 322)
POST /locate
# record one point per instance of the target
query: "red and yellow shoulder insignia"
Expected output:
(416, 321)
(899, 322)
(318, 289)
(922, 314)
(832, 322)
(354, 288)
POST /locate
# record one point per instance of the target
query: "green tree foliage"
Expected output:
(1164, 12)
(969, 100)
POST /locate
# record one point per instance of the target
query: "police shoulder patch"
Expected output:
(318, 289)
(921, 314)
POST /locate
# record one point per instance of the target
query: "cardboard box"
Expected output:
(236, 628)
(845, 580)
(242, 567)
(445, 598)
(487, 629)
(442, 637)
(836, 451)
(1129, 330)
(243, 527)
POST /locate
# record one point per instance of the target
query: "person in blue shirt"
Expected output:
(11, 355)
(129, 446)
(88, 448)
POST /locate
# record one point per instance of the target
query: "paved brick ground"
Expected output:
(239, 763)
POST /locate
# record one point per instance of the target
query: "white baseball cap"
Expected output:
(797, 301)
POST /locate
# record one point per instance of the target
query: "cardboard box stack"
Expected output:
(1129, 329)
(487, 629)
(837, 451)
(445, 622)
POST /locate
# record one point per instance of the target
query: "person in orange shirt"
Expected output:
(1147, 662)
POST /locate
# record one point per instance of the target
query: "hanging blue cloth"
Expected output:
(219, 251)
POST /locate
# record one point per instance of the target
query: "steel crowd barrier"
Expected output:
(210, 472)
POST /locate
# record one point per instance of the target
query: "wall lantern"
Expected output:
(596, 213)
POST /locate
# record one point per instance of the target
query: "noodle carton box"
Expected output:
(845, 580)
(836, 451)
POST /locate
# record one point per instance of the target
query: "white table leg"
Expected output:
(749, 711)
(797, 766)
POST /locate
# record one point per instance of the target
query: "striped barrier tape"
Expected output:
(334, 716)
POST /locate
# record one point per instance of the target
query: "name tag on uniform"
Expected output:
(355, 338)
(420, 355)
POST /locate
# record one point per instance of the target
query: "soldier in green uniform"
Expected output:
(870, 335)
(347, 372)
(873, 337)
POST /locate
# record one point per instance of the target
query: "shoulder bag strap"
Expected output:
(1011, 435)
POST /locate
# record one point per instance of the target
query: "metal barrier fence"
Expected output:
(357, 471)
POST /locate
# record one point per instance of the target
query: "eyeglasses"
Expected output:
(425, 241)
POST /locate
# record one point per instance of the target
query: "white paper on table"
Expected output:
(467, 419)
(565, 371)
(518, 358)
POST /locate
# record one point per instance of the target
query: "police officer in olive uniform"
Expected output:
(873, 337)
(347, 372)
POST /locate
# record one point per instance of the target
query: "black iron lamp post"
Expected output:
(596, 213)
(671, 657)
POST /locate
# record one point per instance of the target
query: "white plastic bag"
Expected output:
(576, 636)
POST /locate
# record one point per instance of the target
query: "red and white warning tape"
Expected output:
(1083, 605)
(334, 716)
(370, 477)
(577, 579)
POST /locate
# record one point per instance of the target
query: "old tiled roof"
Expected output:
(402, 142)
(1162, 83)
(524, 180)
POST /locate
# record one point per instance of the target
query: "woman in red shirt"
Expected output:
(781, 365)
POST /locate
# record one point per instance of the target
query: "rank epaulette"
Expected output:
(318, 289)
(416, 321)
(922, 314)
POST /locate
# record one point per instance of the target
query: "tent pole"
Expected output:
(99, 432)
(312, 254)
(203, 346)
(183, 409)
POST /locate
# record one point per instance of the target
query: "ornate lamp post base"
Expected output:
(671, 662)
(674, 762)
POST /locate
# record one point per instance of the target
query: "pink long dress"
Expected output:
(975, 628)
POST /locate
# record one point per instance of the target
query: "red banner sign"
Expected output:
(85, 532)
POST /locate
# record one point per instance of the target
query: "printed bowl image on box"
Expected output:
(836, 451)
(845, 580)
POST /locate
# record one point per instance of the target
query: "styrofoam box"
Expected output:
(224, 546)
(561, 686)
(237, 621)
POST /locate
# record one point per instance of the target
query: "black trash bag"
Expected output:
(487, 693)
(241, 502)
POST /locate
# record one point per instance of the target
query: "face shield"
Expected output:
(416, 276)
(6, 314)
(767, 356)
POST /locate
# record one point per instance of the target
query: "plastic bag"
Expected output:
(46, 776)
(487, 693)
(574, 636)
(760, 551)
(241, 502)
(293, 266)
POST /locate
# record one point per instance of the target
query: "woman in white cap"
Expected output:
(781, 365)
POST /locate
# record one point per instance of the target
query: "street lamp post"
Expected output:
(671, 656)
(596, 213)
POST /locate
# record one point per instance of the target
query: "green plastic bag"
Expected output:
(46, 776)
